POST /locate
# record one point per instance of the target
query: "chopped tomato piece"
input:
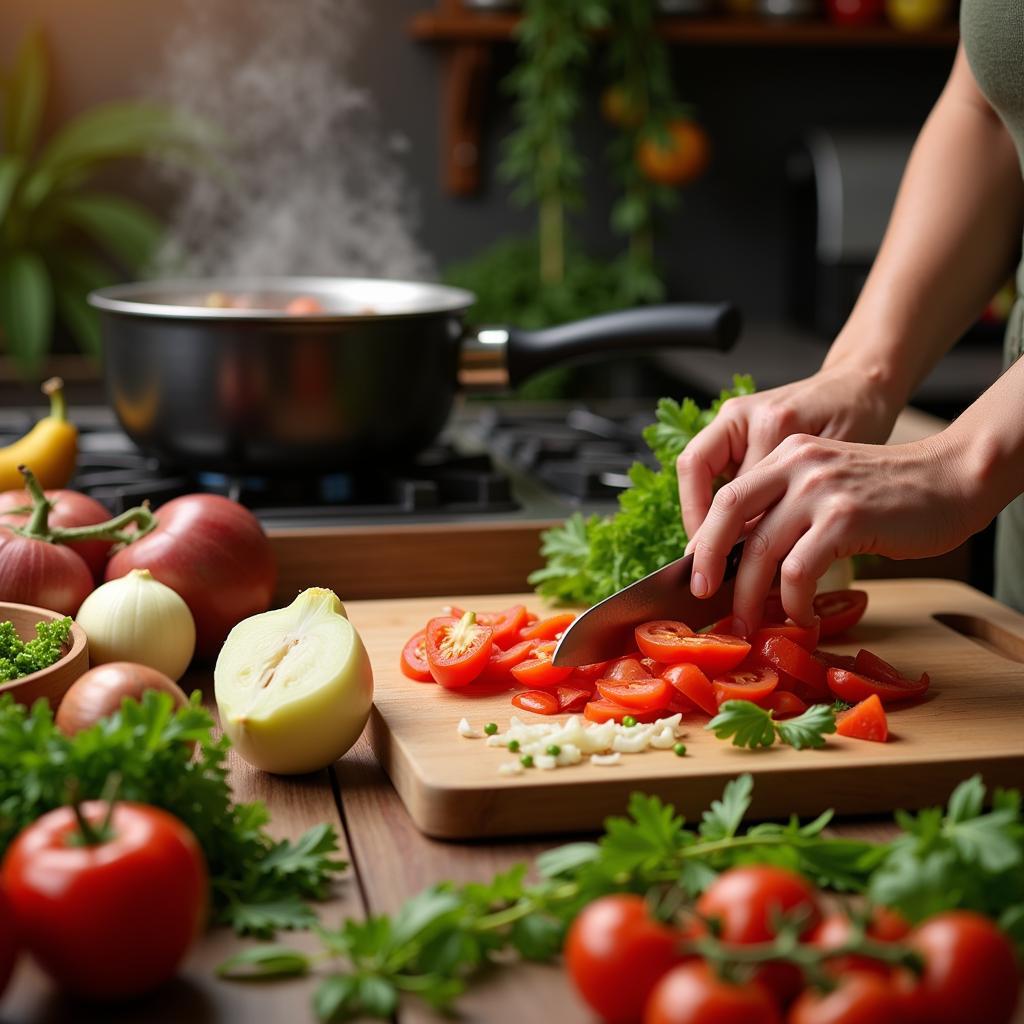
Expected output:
(854, 688)
(839, 610)
(864, 721)
(691, 683)
(540, 702)
(572, 699)
(832, 660)
(640, 694)
(414, 658)
(805, 636)
(752, 683)
(591, 672)
(662, 638)
(602, 710)
(550, 628)
(506, 624)
(783, 704)
(497, 673)
(537, 669)
(790, 658)
(874, 667)
(625, 669)
(653, 667)
(457, 649)
(713, 652)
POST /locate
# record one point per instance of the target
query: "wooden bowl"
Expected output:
(53, 682)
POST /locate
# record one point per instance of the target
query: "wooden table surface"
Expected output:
(390, 861)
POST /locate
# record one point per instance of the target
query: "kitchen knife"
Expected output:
(605, 631)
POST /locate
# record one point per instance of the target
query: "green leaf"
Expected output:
(985, 841)
(11, 166)
(127, 230)
(967, 800)
(263, 918)
(334, 998)
(746, 723)
(377, 996)
(421, 913)
(808, 729)
(26, 310)
(26, 97)
(564, 860)
(724, 817)
(265, 962)
(537, 937)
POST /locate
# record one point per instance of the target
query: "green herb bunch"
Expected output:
(748, 725)
(258, 885)
(588, 559)
(20, 658)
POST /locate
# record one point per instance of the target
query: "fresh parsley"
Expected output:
(589, 559)
(20, 658)
(751, 726)
(258, 885)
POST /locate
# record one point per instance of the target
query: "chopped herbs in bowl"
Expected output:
(20, 658)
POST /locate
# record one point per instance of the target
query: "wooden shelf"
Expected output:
(469, 35)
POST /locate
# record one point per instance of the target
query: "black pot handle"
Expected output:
(677, 325)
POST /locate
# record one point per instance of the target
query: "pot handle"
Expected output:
(676, 325)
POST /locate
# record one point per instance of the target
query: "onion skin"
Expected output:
(39, 573)
(102, 690)
(69, 509)
(214, 553)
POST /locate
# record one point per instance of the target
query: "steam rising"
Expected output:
(311, 186)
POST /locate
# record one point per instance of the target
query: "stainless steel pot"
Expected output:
(373, 378)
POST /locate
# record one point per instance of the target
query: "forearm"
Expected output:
(950, 244)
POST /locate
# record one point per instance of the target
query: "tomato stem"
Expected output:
(39, 524)
(87, 833)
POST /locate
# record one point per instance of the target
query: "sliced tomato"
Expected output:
(790, 658)
(832, 660)
(414, 658)
(506, 624)
(572, 699)
(457, 649)
(497, 673)
(874, 667)
(805, 636)
(713, 652)
(678, 703)
(752, 683)
(540, 702)
(595, 671)
(550, 628)
(692, 684)
(640, 694)
(537, 670)
(626, 669)
(839, 610)
(653, 666)
(853, 687)
(783, 703)
(864, 721)
(602, 710)
(662, 639)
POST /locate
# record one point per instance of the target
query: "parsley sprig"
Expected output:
(258, 885)
(751, 726)
(20, 657)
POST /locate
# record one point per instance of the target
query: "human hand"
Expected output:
(837, 402)
(814, 500)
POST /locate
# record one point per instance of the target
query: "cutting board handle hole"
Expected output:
(991, 637)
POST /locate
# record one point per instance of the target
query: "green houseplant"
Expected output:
(60, 236)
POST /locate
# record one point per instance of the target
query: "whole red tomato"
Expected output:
(8, 942)
(214, 553)
(615, 953)
(113, 919)
(970, 971)
(885, 926)
(69, 509)
(861, 997)
(693, 994)
(746, 901)
(39, 573)
(679, 158)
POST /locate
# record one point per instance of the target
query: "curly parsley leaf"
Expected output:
(808, 729)
(724, 817)
(751, 726)
(21, 658)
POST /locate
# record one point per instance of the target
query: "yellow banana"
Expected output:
(49, 449)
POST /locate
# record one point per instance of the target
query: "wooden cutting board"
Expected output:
(972, 720)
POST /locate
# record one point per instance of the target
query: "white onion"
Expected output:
(137, 618)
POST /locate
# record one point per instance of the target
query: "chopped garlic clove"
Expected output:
(510, 768)
(605, 760)
(467, 731)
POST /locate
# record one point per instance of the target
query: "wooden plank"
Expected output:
(295, 804)
(452, 789)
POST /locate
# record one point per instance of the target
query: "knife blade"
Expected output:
(605, 631)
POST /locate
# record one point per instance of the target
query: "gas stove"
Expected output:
(495, 461)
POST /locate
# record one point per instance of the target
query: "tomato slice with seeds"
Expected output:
(805, 636)
(506, 624)
(783, 704)
(626, 669)
(640, 694)
(752, 683)
(864, 721)
(595, 671)
(853, 687)
(537, 669)
(662, 639)
(602, 710)
(713, 652)
(550, 628)
(572, 699)
(790, 658)
(839, 610)
(457, 649)
(693, 685)
(497, 673)
(414, 658)
(653, 667)
(540, 702)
